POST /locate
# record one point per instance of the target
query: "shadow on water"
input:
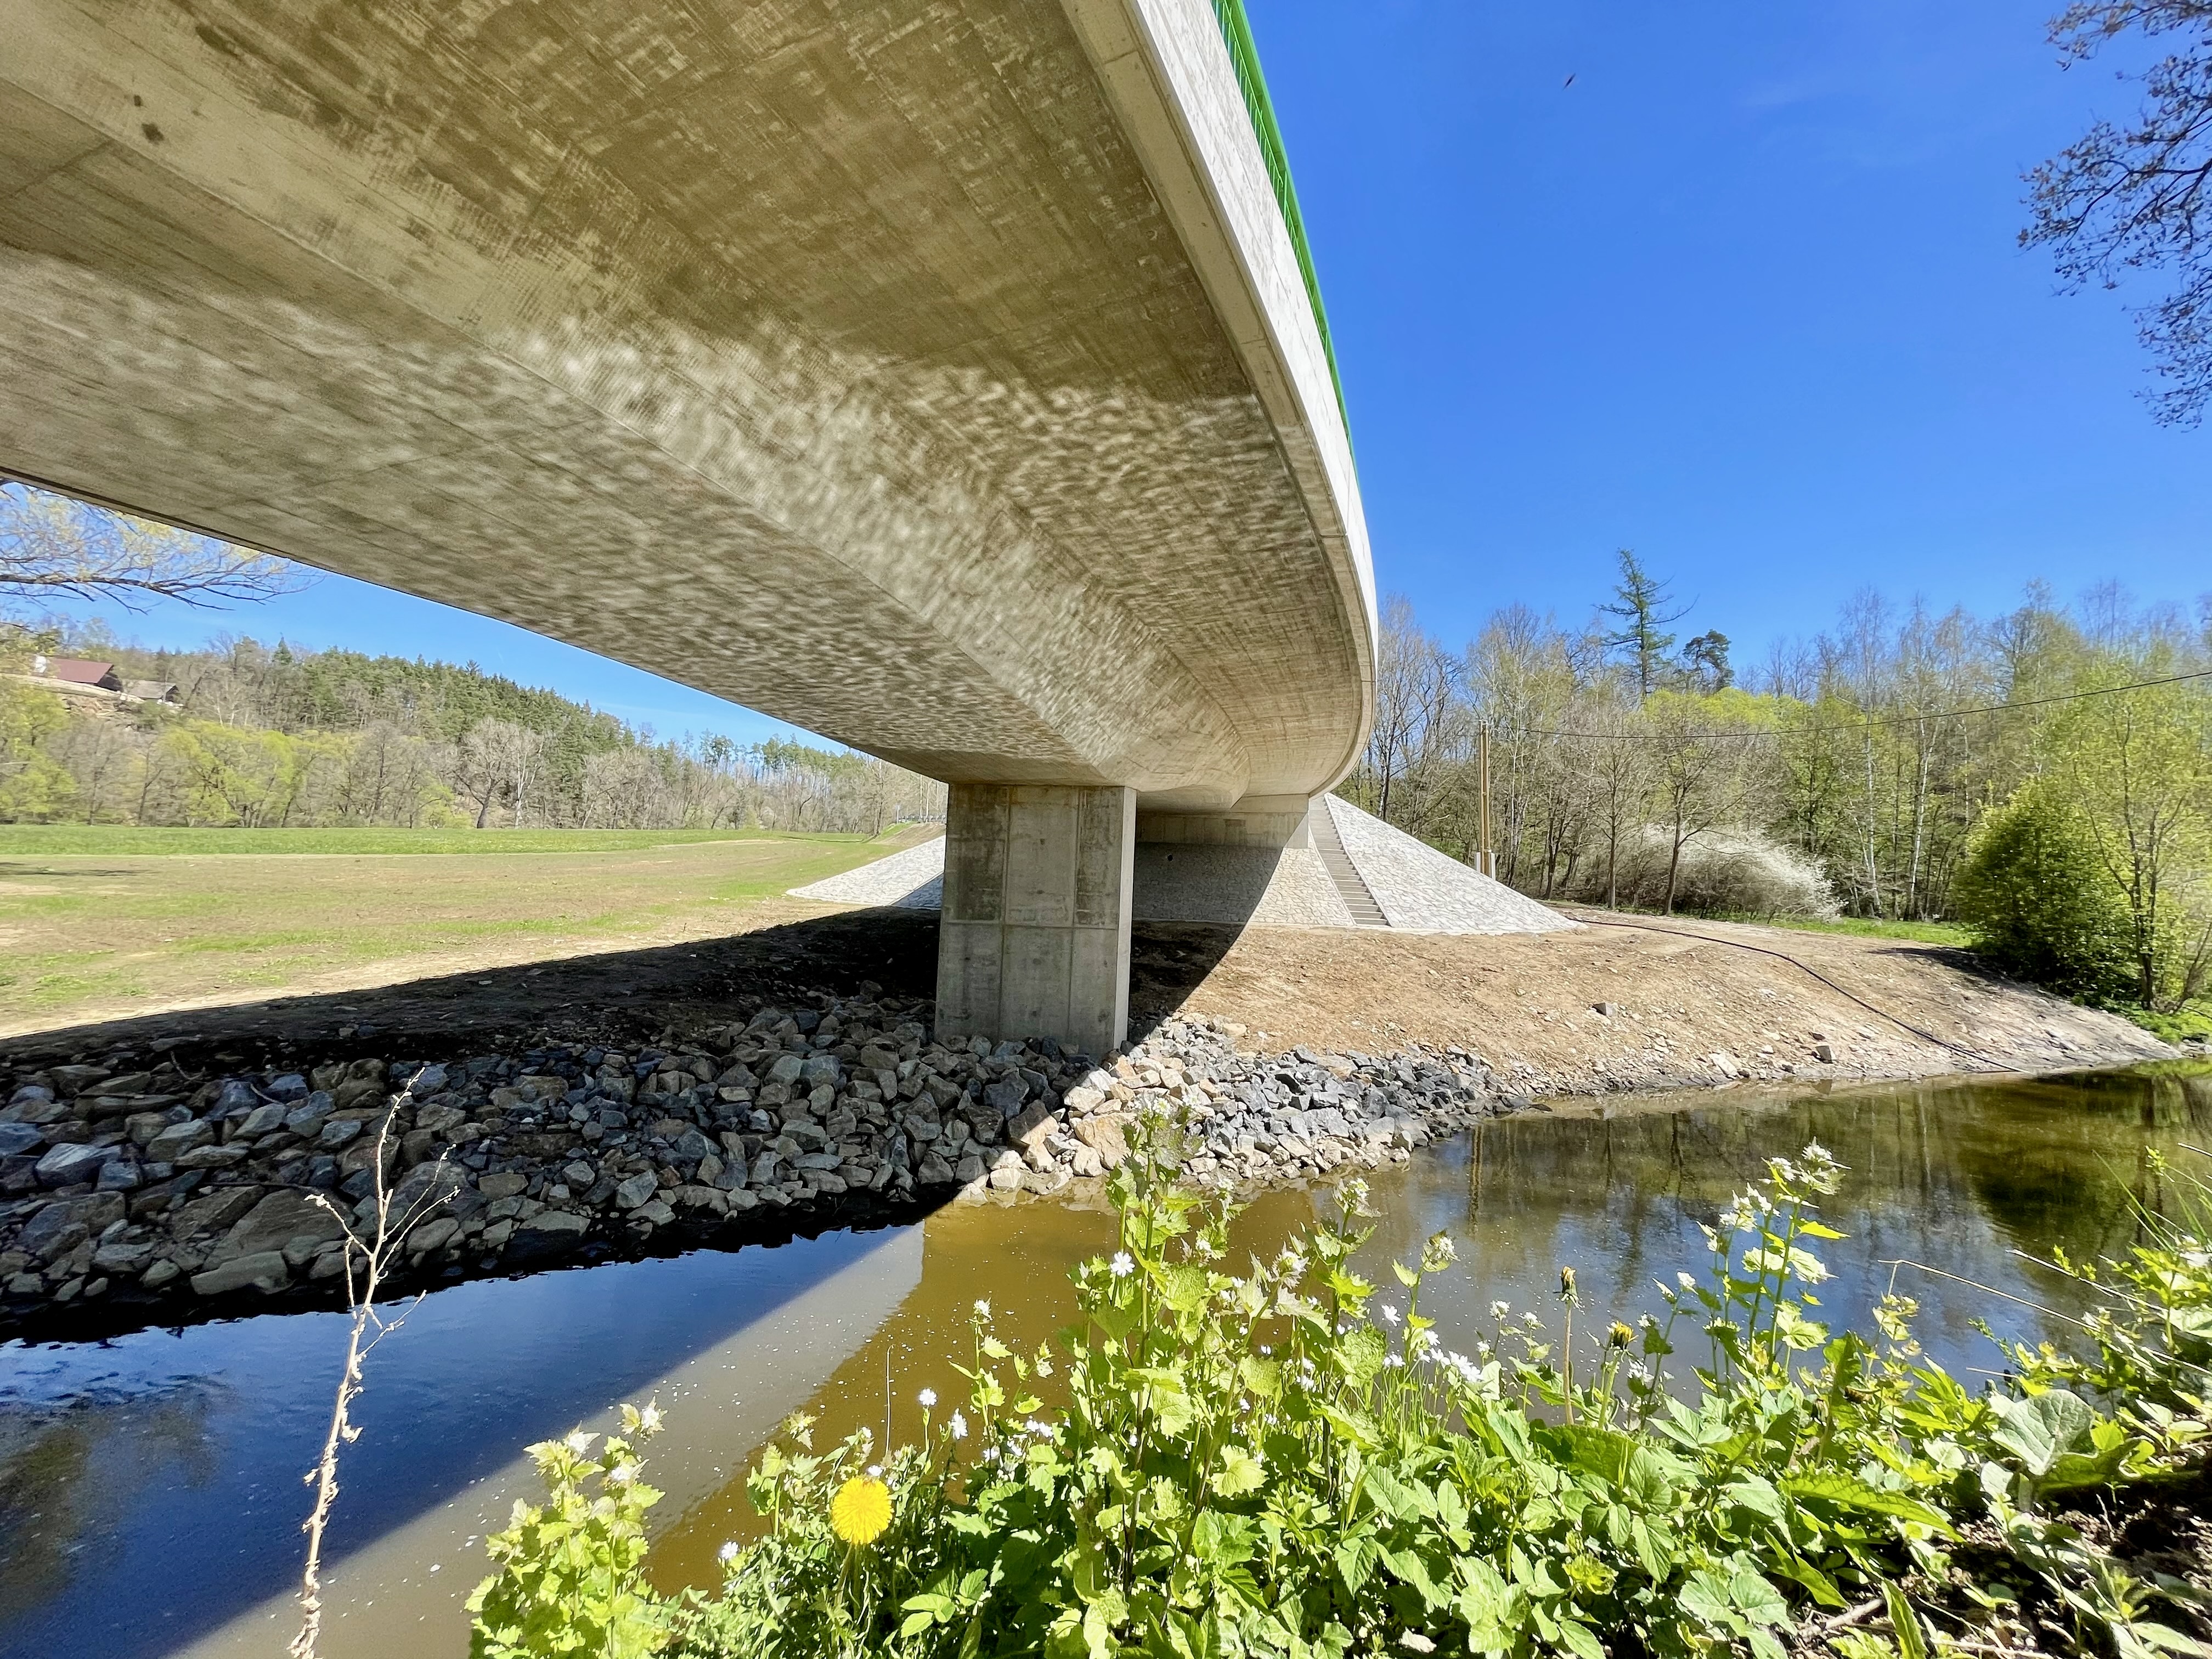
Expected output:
(150, 1486)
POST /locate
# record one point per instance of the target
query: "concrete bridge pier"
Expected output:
(1034, 935)
(1033, 940)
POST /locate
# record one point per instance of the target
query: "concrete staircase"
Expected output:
(1350, 885)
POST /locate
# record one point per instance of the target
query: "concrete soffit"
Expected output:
(1167, 72)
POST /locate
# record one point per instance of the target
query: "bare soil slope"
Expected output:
(1688, 1003)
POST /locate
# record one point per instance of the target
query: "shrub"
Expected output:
(1286, 1462)
(2040, 905)
(1725, 872)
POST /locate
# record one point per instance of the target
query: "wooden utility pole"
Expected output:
(1485, 858)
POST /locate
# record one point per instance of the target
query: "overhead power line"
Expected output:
(1883, 719)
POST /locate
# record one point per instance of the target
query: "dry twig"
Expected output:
(377, 1251)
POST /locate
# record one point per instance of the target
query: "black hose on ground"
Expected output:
(1804, 968)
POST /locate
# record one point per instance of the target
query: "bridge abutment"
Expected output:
(1034, 935)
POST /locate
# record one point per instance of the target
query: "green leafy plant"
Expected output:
(569, 1579)
(1288, 1460)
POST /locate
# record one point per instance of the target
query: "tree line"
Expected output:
(1845, 774)
(264, 736)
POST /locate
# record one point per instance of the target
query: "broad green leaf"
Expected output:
(1263, 1378)
(1652, 1478)
(1706, 1598)
(1240, 1472)
(1183, 1288)
(1392, 1496)
(1804, 1572)
(1849, 1491)
(1756, 1493)
(2040, 1429)
(1604, 1452)
(1356, 1559)
(1757, 1598)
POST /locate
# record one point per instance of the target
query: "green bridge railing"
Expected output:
(1237, 30)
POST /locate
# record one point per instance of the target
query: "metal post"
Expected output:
(1486, 859)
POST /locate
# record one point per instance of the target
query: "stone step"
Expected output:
(1349, 884)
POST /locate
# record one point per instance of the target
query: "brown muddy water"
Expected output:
(150, 1492)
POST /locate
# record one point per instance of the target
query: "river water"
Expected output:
(150, 1492)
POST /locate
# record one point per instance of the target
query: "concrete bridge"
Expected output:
(942, 375)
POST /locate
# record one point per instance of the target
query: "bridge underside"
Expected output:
(913, 373)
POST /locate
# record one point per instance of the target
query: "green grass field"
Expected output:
(1924, 932)
(100, 922)
(106, 840)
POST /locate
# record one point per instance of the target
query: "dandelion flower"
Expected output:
(928, 1398)
(957, 1428)
(727, 1555)
(861, 1510)
(1123, 1265)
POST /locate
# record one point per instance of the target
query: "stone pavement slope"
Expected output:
(1414, 888)
(912, 880)
(1422, 890)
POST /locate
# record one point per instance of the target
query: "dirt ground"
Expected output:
(1688, 1004)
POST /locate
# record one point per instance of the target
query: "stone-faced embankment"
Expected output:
(143, 1194)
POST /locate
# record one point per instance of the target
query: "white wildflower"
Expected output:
(727, 1555)
(1391, 1315)
(982, 1308)
(621, 1474)
(1123, 1265)
(957, 1428)
(1500, 1309)
(578, 1442)
(928, 1398)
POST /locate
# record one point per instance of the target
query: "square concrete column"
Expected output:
(1033, 940)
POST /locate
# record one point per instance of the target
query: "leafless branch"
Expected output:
(377, 1249)
(52, 546)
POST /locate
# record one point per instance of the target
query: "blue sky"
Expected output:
(1744, 296)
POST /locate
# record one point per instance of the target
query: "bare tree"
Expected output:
(54, 547)
(2138, 196)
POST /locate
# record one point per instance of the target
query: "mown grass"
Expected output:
(123, 840)
(112, 929)
(1922, 932)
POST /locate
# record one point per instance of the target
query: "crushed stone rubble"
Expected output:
(125, 1184)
